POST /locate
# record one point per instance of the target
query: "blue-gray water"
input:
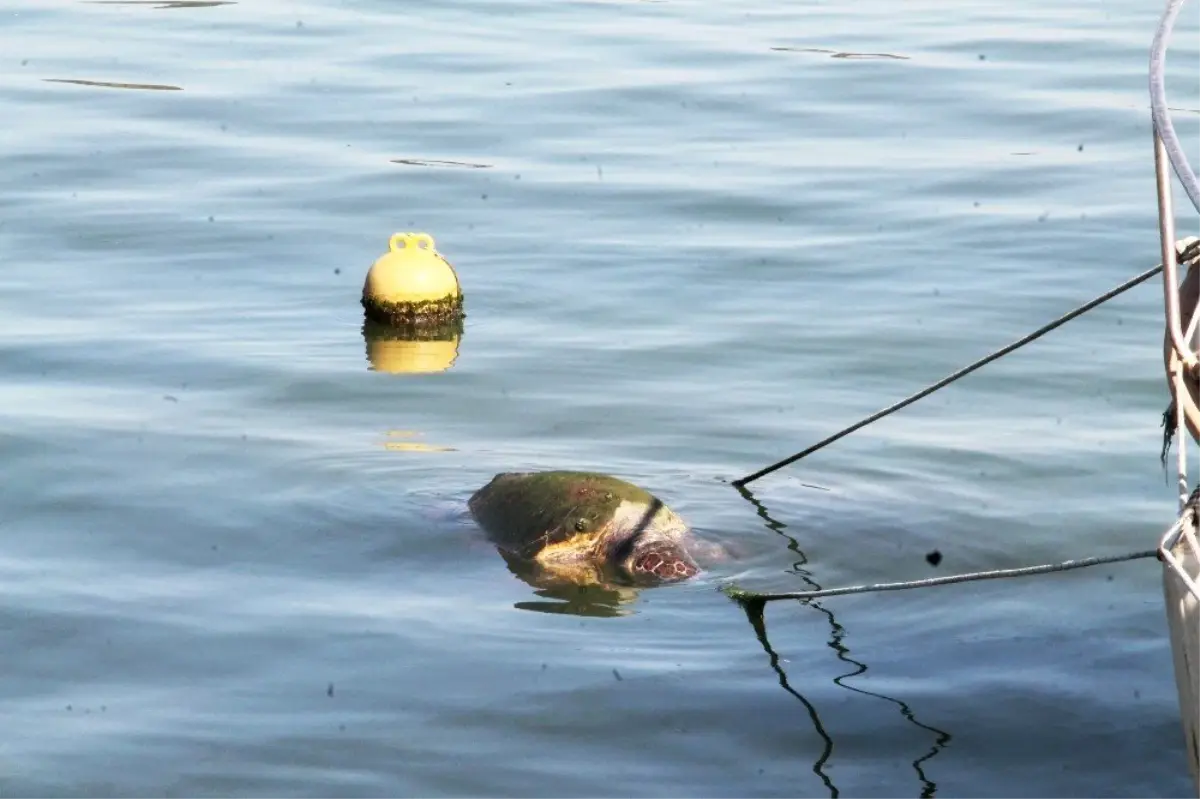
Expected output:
(233, 559)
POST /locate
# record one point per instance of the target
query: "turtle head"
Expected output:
(660, 561)
(649, 544)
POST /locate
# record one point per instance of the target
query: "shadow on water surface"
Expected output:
(754, 614)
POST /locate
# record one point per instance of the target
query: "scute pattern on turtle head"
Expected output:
(663, 563)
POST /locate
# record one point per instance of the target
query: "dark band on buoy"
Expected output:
(417, 316)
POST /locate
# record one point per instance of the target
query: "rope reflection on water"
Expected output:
(754, 614)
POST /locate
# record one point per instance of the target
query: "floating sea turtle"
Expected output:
(584, 528)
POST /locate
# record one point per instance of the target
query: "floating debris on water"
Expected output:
(438, 162)
(843, 54)
(160, 4)
(156, 87)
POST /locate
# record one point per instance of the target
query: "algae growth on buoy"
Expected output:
(412, 287)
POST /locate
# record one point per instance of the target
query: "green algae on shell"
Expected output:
(582, 524)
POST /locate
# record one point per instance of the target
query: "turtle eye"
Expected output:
(580, 525)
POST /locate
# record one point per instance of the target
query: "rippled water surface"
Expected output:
(694, 237)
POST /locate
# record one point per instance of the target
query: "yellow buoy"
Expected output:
(412, 286)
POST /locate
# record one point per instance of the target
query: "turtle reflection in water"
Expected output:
(563, 529)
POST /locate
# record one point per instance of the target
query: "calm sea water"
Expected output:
(694, 237)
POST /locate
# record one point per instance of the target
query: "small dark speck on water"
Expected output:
(1109, 578)
(543, 667)
(329, 690)
(337, 270)
(617, 674)
(170, 398)
(1137, 694)
(210, 219)
(982, 57)
(1081, 148)
(68, 708)
(934, 558)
